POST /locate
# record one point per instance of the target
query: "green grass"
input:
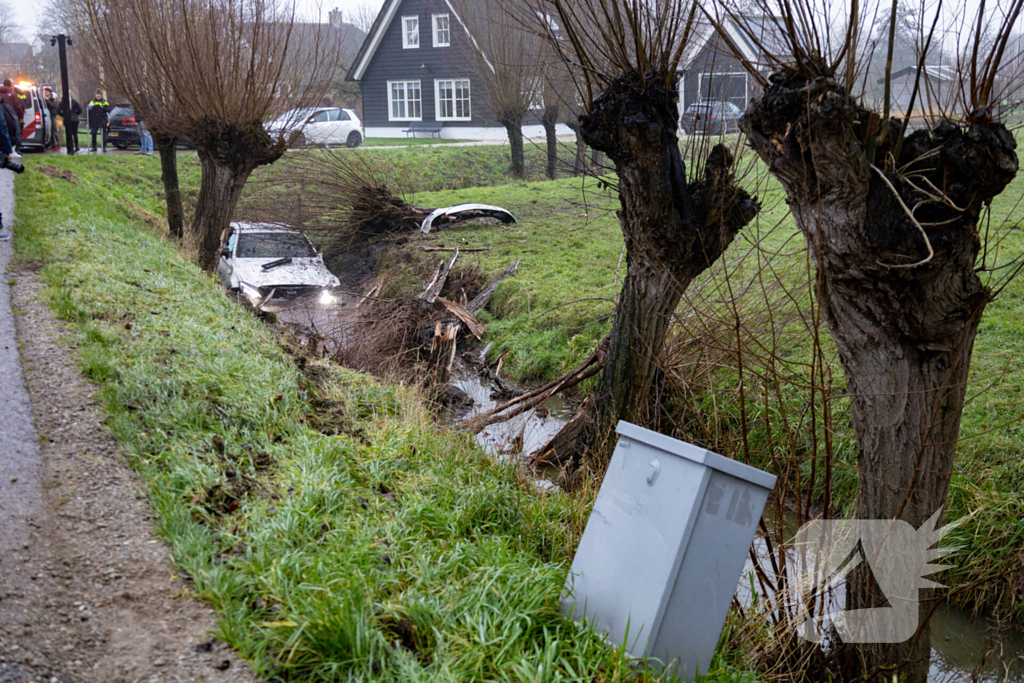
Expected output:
(339, 532)
(569, 244)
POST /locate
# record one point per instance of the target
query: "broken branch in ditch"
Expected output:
(474, 325)
(531, 399)
(481, 299)
(436, 283)
(442, 352)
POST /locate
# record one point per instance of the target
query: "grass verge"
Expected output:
(338, 531)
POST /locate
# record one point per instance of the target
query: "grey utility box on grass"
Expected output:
(664, 548)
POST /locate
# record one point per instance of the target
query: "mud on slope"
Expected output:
(87, 593)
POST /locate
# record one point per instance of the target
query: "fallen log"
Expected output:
(531, 399)
(433, 288)
(481, 299)
(475, 326)
(562, 445)
(371, 293)
(442, 352)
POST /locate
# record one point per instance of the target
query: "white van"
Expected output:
(35, 124)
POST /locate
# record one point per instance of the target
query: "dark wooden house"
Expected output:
(415, 65)
(713, 73)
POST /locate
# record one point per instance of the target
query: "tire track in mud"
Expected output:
(87, 593)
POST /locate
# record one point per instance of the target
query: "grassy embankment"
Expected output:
(570, 250)
(338, 531)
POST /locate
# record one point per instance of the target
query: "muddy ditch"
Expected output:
(429, 337)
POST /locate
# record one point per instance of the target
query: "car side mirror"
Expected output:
(225, 252)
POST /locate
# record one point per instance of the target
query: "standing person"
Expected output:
(9, 96)
(5, 148)
(9, 122)
(98, 109)
(51, 106)
(145, 139)
(71, 119)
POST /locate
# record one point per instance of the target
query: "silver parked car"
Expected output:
(273, 265)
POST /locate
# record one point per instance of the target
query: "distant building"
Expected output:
(12, 58)
(417, 65)
(711, 71)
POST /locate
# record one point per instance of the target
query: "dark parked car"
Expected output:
(711, 118)
(123, 129)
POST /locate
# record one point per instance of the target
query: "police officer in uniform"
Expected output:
(98, 109)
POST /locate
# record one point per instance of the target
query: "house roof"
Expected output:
(380, 27)
(937, 72)
(14, 53)
(746, 33)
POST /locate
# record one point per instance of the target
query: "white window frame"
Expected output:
(406, 45)
(437, 99)
(433, 29)
(391, 108)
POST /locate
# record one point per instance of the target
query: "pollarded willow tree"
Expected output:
(625, 55)
(223, 67)
(109, 32)
(891, 219)
(505, 59)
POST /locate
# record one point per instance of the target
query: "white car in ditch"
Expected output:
(274, 265)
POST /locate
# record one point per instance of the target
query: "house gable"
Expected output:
(386, 66)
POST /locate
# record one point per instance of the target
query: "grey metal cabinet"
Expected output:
(664, 548)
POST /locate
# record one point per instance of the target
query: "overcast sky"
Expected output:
(27, 14)
(26, 11)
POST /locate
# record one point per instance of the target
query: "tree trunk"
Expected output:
(597, 161)
(166, 144)
(673, 231)
(904, 322)
(550, 120)
(218, 194)
(228, 154)
(514, 127)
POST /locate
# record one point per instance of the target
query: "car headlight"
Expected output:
(327, 298)
(251, 293)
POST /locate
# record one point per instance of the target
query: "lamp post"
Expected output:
(62, 41)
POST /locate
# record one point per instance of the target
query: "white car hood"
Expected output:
(301, 271)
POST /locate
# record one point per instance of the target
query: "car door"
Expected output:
(344, 126)
(337, 135)
(225, 266)
(318, 128)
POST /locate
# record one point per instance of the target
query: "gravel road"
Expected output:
(87, 593)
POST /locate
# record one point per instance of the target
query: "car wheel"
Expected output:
(299, 141)
(354, 139)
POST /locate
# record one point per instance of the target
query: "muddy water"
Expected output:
(964, 647)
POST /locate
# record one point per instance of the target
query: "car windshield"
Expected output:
(119, 113)
(274, 245)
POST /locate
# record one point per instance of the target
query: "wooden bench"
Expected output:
(432, 127)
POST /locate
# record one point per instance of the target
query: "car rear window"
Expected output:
(274, 245)
(119, 113)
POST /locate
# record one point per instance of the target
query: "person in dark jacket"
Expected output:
(11, 128)
(98, 109)
(9, 96)
(51, 106)
(71, 119)
(5, 148)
